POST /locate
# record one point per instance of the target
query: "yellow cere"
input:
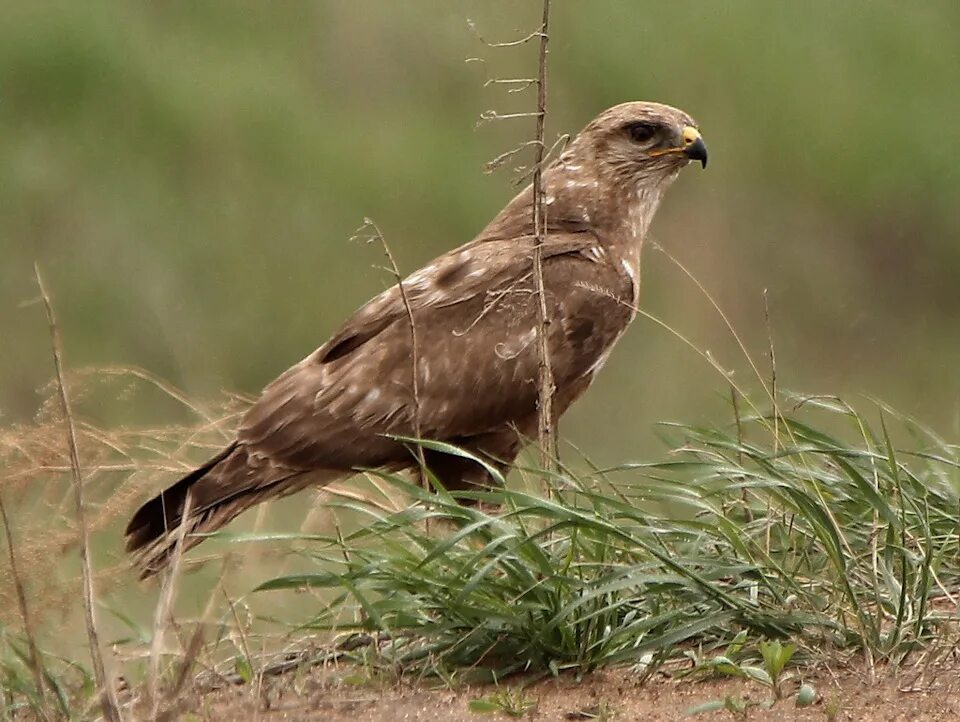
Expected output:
(690, 135)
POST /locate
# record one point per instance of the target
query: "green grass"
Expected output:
(812, 527)
(67, 685)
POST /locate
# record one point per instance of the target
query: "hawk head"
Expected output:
(640, 141)
(611, 177)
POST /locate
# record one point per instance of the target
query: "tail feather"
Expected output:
(220, 490)
(162, 514)
(218, 494)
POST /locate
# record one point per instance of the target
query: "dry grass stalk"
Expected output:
(173, 703)
(236, 620)
(547, 418)
(109, 704)
(773, 371)
(415, 355)
(161, 613)
(546, 428)
(28, 632)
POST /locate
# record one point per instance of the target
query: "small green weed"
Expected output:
(506, 701)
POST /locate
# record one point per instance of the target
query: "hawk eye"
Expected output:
(642, 132)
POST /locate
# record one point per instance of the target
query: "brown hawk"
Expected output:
(475, 314)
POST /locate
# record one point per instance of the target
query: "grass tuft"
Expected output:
(817, 529)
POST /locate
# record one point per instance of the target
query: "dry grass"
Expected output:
(122, 466)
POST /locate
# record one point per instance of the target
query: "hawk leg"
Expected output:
(497, 448)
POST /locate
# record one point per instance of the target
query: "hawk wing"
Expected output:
(476, 357)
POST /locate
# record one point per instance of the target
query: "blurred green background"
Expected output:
(189, 174)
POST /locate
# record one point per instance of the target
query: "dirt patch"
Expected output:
(616, 694)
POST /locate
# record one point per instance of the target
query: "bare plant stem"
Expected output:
(546, 427)
(415, 349)
(736, 415)
(736, 418)
(35, 664)
(162, 611)
(773, 373)
(192, 653)
(773, 397)
(236, 620)
(108, 702)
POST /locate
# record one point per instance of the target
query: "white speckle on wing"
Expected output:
(578, 183)
(507, 350)
(421, 278)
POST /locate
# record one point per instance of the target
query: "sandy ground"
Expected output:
(609, 695)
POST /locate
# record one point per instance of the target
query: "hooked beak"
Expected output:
(693, 146)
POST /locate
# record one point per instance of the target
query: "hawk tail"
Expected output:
(153, 531)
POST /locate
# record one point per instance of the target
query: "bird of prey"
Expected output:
(474, 312)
